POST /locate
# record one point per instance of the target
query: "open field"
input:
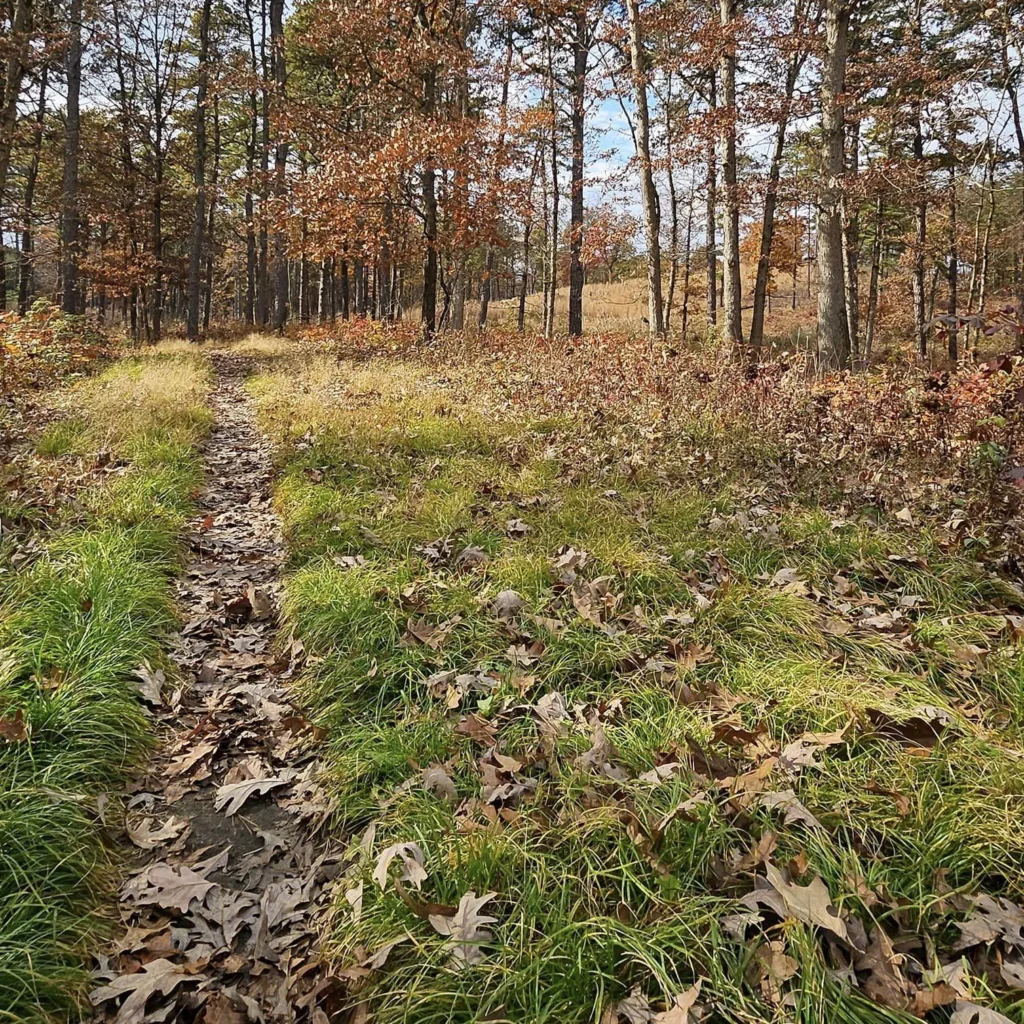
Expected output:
(622, 703)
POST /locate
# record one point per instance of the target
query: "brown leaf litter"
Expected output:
(220, 918)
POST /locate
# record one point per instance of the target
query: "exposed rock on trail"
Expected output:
(220, 914)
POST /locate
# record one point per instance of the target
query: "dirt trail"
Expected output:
(220, 915)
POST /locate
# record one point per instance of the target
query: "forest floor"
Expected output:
(519, 700)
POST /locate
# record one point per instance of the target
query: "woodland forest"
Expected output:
(510, 512)
(174, 167)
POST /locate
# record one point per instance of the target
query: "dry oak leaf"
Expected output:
(772, 968)
(787, 802)
(159, 976)
(14, 729)
(412, 859)
(802, 752)
(437, 781)
(885, 982)
(150, 684)
(634, 1008)
(465, 929)
(809, 904)
(173, 888)
(1012, 972)
(230, 798)
(147, 838)
(970, 1013)
(679, 1011)
(507, 605)
(992, 919)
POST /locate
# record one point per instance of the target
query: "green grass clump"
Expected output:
(74, 625)
(593, 896)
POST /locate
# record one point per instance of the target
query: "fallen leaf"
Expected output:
(803, 751)
(14, 728)
(167, 886)
(260, 603)
(151, 684)
(922, 728)
(1012, 972)
(991, 919)
(437, 781)
(971, 1013)
(885, 982)
(507, 605)
(230, 798)
(412, 859)
(809, 904)
(159, 976)
(679, 1011)
(147, 838)
(793, 810)
(465, 929)
(773, 967)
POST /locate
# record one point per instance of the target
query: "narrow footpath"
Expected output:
(219, 915)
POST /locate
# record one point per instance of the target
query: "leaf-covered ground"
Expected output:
(635, 739)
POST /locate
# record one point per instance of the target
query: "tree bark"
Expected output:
(195, 258)
(953, 264)
(876, 267)
(921, 222)
(764, 262)
(428, 197)
(710, 217)
(581, 54)
(851, 246)
(277, 57)
(26, 275)
(21, 30)
(211, 250)
(732, 290)
(648, 193)
(485, 283)
(833, 327)
(71, 297)
(552, 283)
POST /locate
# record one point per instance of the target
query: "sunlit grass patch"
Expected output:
(75, 623)
(687, 637)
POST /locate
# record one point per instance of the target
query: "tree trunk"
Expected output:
(263, 300)
(326, 286)
(485, 284)
(581, 54)
(851, 246)
(211, 250)
(711, 214)
(552, 283)
(26, 276)
(346, 295)
(876, 266)
(71, 298)
(1012, 84)
(833, 327)
(921, 224)
(277, 58)
(764, 262)
(953, 266)
(686, 269)
(732, 322)
(17, 59)
(673, 200)
(195, 258)
(648, 193)
(428, 195)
